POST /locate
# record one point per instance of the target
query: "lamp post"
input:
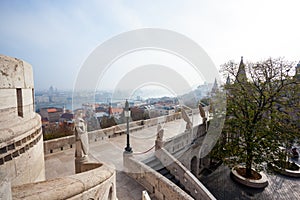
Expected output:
(127, 115)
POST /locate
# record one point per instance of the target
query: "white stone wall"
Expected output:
(21, 140)
(28, 167)
(15, 73)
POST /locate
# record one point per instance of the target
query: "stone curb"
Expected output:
(261, 183)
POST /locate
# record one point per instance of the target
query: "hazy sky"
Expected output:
(56, 37)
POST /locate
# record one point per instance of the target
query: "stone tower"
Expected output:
(21, 139)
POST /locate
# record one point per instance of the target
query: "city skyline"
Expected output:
(57, 37)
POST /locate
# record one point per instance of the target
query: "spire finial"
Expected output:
(228, 80)
(242, 58)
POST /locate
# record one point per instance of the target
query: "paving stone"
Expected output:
(222, 187)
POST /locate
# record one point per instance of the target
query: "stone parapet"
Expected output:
(156, 184)
(63, 143)
(97, 182)
(191, 183)
(59, 144)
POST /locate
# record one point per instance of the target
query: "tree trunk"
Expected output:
(249, 161)
(248, 170)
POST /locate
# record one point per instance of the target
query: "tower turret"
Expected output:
(241, 74)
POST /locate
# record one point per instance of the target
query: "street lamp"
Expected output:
(127, 115)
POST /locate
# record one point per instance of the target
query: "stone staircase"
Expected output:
(155, 164)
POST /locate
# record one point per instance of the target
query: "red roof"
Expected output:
(115, 110)
(51, 110)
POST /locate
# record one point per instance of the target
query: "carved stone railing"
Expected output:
(191, 183)
(155, 183)
(97, 182)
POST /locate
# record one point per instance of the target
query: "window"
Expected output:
(19, 102)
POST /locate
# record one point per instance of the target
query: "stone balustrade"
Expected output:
(63, 143)
(180, 141)
(191, 183)
(98, 181)
(156, 184)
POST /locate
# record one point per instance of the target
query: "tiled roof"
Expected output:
(51, 110)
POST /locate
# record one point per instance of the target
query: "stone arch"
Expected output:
(110, 193)
(194, 165)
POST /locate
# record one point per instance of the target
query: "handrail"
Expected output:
(192, 184)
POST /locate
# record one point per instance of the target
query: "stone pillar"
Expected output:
(126, 165)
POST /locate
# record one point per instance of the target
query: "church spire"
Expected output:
(215, 86)
(241, 74)
(228, 80)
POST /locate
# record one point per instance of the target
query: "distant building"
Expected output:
(164, 110)
(101, 114)
(52, 114)
(116, 112)
(42, 99)
(67, 117)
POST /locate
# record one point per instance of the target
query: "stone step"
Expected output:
(164, 171)
(154, 163)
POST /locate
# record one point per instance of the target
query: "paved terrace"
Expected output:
(223, 187)
(111, 151)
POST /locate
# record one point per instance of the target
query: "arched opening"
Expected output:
(194, 165)
(110, 194)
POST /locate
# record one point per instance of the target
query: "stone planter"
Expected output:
(287, 172)
(260, 183)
